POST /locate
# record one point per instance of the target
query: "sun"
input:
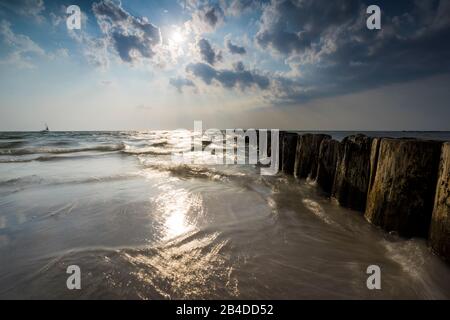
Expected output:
(177, 37)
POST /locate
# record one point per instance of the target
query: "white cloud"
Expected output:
(95, 50)
(28, 8)
(205, 19)
(22, 48)
(132, 38)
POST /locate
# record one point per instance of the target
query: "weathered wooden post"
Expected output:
(439, 239)
(289, 147)
(328, 156)
(374, 153)
(307, 154)
(402, 194)
(353, 172)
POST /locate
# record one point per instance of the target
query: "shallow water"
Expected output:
(141, 227)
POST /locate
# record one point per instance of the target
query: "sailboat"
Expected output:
(46, 129)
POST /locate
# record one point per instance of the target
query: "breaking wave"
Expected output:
(26, 151)
(37, 180)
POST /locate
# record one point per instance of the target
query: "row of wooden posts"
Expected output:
(400, 185)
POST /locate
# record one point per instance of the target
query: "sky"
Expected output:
(286, 64)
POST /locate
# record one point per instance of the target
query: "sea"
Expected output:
(139, 226)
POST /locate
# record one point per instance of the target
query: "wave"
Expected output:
(4, 136)
(20, 152)
(149, 152)
(129, 149)
(160, 144)
(60, 143)
(17, 155)
(318, 210)
(186, 171)
(36, 180)
(16, 160)
(11, 144)
(33, 179)
(111, 178)
(45, 158)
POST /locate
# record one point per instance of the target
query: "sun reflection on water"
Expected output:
(179, 209)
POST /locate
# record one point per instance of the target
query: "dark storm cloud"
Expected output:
(235, 49)
(289, 26)
(330, 50)
(207, 52)
(132, 37)
(237, 78)
(180, 83)
(125, 44)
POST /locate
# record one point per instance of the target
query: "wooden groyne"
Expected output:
(400, 185)
(307, 155)
(402, 195)
(329, 153)
(440, 222)
(351, 181)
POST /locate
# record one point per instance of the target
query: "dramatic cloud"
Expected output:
(207, 52)
(133, 38)
(330, 51)
(237, 78)
(235, 49)
(211, 15)
(289, 26)
(206, 18)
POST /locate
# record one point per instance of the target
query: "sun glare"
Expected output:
(177, 37)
